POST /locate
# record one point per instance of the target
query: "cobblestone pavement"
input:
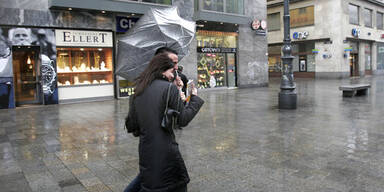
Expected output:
(238, 142)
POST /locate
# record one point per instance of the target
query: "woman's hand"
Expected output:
(178, 82)
(182, 95)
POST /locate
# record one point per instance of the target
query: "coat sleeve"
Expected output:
(187, 112)
(131, 121)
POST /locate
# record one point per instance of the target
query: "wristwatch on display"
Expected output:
(48, 75)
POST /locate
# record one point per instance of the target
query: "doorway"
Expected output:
(26, 73)
(354, 64)
(231, 69)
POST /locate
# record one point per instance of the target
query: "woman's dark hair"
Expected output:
(165, 50)
(156, 67)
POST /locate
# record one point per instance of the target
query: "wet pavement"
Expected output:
(238, 142)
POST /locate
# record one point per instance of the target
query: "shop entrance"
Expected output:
(26, 74)
(216, 55)
(231, 69)
(354, 64)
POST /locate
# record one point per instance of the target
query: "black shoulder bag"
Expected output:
(169, 118)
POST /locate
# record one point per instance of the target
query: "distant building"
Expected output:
(330, 38)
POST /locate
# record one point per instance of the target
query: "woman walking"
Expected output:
(162, 167)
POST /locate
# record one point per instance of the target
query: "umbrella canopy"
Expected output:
(158, 28)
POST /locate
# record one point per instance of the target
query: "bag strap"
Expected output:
(166, 104)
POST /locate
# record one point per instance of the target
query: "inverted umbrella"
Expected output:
(158, 28)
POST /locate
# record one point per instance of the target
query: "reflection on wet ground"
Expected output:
(239, 141)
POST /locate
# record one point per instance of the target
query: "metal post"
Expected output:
(287, 95)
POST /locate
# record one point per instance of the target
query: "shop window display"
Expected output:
(216, 39)
(274, 58)
(84, 66)
(211, 70)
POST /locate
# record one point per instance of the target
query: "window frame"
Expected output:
(358, 14)
(300, 11)
(382, 20)
(201, 7)
(370, 11)
(269, 23)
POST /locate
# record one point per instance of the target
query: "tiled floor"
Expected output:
(238, 142)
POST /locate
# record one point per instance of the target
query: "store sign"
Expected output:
(259, 26)
(356, 32)
(216, 50)
(300, 35)
(126, 91)
(124, 23)
(76, 38)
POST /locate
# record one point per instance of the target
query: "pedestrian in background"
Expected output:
(183, 78)
(162, 167)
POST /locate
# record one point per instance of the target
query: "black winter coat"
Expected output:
(162, 168)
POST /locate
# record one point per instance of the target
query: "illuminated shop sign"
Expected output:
(356, 32)
(300, 35)
(216, 50)
(124, 23)
(76, 38)
(126, 91)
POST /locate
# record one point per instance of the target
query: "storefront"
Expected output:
(27, 66)
(216, 59)
(303, 64)
(84, 65)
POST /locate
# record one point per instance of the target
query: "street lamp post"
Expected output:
(287, 95)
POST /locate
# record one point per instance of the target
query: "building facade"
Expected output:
(57, 51)
(330, 38)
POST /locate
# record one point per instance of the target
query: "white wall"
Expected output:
(81, 92)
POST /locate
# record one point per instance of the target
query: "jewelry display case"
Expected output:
(84, 66)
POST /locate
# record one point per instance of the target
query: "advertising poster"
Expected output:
(12, 39)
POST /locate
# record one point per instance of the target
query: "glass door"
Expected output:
(354, 64)
(26, 74)
(231, 69)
